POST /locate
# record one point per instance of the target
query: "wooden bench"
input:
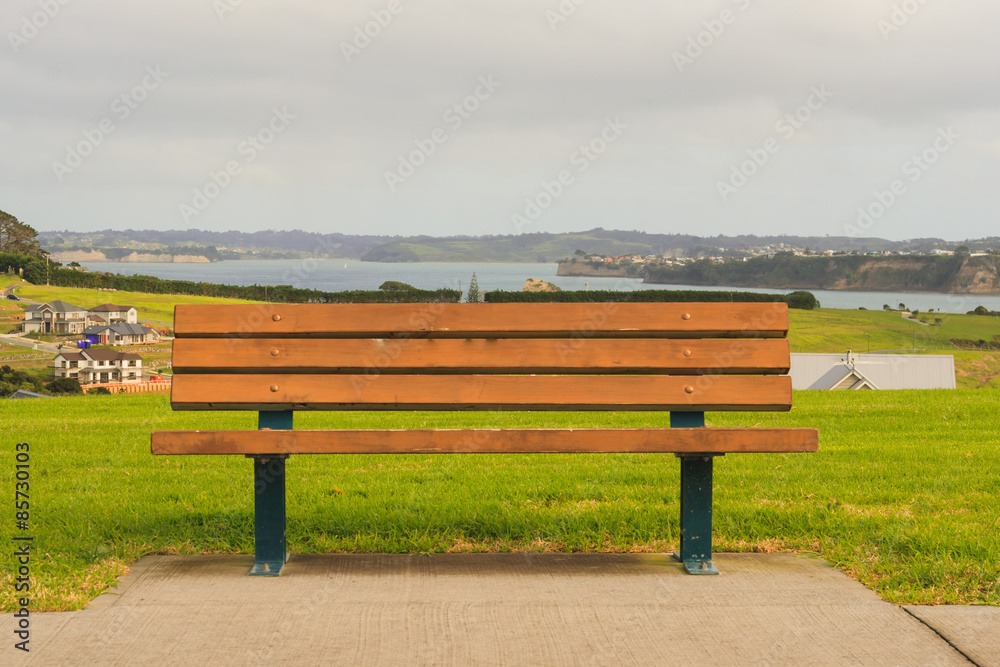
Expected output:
(682, 358)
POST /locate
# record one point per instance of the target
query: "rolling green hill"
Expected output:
(521, 248)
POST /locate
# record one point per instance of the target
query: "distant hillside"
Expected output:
(958, 274)
(268, 244)
(544, 247)
(540, 247)
(513, 248)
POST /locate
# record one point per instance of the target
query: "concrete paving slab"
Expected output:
(973, 630)
(485, 609)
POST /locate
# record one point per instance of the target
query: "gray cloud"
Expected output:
(892, 90)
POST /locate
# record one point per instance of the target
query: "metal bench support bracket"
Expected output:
(696, 502)
(269, 502)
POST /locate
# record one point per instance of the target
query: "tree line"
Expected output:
(800, 299)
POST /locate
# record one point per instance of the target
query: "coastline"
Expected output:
(132, 258)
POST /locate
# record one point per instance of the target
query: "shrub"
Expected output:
(65, 386)
(802, 300)
(396, 286)
(11, 380)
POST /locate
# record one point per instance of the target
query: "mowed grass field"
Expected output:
(157, 308)
(904, 494)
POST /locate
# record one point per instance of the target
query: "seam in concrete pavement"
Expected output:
(945, 639)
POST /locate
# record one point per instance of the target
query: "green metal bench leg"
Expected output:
(269, 503)
(696, 502)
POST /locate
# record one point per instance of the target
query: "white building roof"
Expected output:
(873, 371)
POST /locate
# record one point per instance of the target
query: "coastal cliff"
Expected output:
(587, 269)
(954, 274)
(136, 257)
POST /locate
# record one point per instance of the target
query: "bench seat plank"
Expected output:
(480, 392)
(455, 320)
(430, 441)
(480, 355)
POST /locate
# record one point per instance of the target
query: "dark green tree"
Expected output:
(17, 237)
(473, 296)
(396, 286)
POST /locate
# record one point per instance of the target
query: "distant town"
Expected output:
(721, 255)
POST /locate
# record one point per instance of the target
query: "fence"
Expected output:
(161, 387)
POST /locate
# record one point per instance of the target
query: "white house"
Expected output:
(57, 317)
(99, 366)
(108, 313)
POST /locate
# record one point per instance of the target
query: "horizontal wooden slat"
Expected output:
(479, 392)
(427, 441)
(480, 355)
(643, 320)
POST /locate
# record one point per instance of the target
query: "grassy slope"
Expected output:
(154, 307)
(903, 493)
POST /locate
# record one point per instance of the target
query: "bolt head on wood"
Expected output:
(687, 353)
(689, 389)
(274, 387)
(276, 317)
(686, 316)
(275, 352)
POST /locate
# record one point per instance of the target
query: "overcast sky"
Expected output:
(506, 116)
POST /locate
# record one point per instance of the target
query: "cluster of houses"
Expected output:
(720, 255)
(106, 324)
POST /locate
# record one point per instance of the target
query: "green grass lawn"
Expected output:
(829, 330)
(904, 493)
(154, 307)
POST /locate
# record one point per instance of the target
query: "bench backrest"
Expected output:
(527, 356)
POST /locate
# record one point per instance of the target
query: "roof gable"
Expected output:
(102, 355)
(843, 377)
(110, 308)
(58, 306)
(120, 328)
(128, 329)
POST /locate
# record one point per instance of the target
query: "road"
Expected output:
(27, 342)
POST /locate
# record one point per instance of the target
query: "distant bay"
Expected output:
(341, 275)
